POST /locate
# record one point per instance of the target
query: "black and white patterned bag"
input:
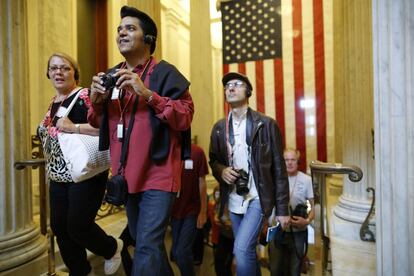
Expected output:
(56, 167)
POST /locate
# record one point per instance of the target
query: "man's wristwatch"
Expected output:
(77, 126)
(150, 98)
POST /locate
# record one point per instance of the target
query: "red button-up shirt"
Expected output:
(140, 172)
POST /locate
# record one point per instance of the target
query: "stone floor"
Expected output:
(114, 225)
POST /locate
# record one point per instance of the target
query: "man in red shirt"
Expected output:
(159, 138)
(189, 210)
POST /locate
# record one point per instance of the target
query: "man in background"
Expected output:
(189, 211)
(246, 157)
(285, 255)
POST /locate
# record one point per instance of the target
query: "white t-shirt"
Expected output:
(300, 189)
(238, 204)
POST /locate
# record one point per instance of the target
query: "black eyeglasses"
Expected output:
(237, 84)
(63, 69)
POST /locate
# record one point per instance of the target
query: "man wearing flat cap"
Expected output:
(246, 157)
(159, 137)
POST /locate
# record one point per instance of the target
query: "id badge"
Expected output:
(115, 93)
(120, 131)
(188, 164)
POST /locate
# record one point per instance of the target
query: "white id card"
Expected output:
(61, 112)
(120, 131)
(188, 164)
(115, 93)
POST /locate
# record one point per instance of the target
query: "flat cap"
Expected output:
(236, 76)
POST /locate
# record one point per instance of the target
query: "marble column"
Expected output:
(393, 41)
(201, 71)
(354, 125)
(20, 239)
(176, 35)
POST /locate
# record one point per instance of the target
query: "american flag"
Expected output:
(280, 46)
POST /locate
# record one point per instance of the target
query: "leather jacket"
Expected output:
(267, 162)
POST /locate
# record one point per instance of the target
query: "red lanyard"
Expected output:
(122, 110)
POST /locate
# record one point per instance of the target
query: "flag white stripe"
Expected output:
(309, 78)
(269, 88)
(251, 72)
(288, 73)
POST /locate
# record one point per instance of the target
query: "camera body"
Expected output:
(109, 81)
(242, 182)
(301, 210)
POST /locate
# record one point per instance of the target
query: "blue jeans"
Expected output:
(184, 232)
(148, 213)
(246, 230)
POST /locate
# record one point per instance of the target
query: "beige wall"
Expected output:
(114, 6)
(51, 28)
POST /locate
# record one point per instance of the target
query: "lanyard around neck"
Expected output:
(142, 77)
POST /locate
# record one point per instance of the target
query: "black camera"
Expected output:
(109, 81)
(242, 183)
(301, 210)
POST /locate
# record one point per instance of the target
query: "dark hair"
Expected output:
(72, 62)
(146, 23)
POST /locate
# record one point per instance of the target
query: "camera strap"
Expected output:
(293, 188)
(125, 140)
(294, 242)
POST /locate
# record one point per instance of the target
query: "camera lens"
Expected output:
(242, 183)
(109, 81)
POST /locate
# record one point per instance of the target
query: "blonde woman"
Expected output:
(73, 206)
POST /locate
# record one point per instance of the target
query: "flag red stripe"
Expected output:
(242, 68)
(279, 97)
(225, 69)
(260, 95)
(299, 81)
(319, 50)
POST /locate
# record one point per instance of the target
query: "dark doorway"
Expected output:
(92, 38)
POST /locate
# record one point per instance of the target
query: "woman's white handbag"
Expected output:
(81, 153)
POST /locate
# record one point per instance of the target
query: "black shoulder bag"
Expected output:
(117, 186)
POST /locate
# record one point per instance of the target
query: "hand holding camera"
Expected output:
(103, 83)
(300, 216)
(99, 92)
(238, 177)
(127, 79)
(229, 175)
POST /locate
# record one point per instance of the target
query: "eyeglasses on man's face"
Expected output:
(236, 84)
(63, 69)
